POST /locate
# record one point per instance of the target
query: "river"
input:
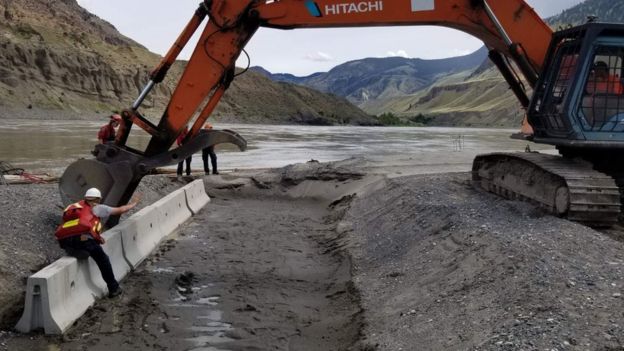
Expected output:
(50, 146)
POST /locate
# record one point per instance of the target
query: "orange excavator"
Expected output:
(548, 72)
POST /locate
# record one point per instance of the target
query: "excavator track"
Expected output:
(568, 188)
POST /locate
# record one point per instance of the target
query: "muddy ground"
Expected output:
(329, 257)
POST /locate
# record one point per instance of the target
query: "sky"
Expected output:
(157, 23)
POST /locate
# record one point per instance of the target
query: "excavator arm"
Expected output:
(510, 29)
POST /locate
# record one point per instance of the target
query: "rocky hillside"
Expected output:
(59, 61)
(254, 98)
(463, 99)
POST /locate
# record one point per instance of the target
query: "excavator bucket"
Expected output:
(112, 180)
(116, 171)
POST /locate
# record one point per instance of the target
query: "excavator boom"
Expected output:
(508, 27)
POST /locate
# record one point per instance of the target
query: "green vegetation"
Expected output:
(421, 119)
(390, 119)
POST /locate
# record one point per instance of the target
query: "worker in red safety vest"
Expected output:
(79, 234)
(107, 132)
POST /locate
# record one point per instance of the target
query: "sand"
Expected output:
(332, 257)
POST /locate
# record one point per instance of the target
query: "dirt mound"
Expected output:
(444, 266)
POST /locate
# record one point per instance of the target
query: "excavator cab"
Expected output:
(579, 100)
(577, 106)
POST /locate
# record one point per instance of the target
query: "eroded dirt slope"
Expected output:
(444, 266)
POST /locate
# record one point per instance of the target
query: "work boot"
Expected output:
(215, 172)
(115, 293)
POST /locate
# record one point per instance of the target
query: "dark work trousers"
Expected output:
(82, 249)
(209, 151)
(188, 166)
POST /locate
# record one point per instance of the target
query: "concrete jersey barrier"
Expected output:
(141, 234)
(56, 296)
(59, 294)
(173, 211)
(114, 249)
(196, 197)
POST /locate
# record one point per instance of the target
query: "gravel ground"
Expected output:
(442, 265)
(435, 264)
(29, 216)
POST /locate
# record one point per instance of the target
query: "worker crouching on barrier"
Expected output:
(79, 234)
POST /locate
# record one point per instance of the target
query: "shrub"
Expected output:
(389, 119)
(421, 119)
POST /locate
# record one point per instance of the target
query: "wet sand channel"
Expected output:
(248, 273)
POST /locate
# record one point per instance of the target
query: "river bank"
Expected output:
(321, 256)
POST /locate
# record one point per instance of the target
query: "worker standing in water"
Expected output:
(107, 132)
(79, 234)
(209, 152)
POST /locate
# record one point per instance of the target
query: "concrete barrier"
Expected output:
(173, 211)
(196, 197)
(56, 296)
(114, 249)
(59, 294)
(140, 234)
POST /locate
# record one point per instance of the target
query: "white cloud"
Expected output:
(319, 57)
(87, 4)
(459, 52)
(401, 53)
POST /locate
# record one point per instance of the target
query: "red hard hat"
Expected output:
(116, 117)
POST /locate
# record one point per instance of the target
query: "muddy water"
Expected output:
(52, 145)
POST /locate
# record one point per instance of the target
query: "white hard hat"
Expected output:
(94, 193)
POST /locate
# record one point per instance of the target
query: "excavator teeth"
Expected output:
(564, 187)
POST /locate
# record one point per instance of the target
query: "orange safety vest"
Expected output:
(78, 219)
(612, 85)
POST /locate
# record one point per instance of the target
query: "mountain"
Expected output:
(463, 99)
(604, 10)
(253, 98)
(462, 91)
(378, 78)
(57, 60)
